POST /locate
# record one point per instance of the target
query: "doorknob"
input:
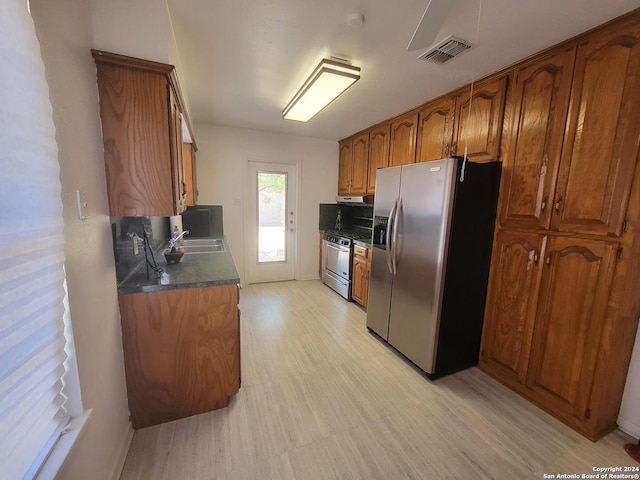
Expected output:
(291, 229)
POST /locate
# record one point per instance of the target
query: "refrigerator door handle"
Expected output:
(394, 243)
(388, 245)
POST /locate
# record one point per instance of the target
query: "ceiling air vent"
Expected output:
(445, 50)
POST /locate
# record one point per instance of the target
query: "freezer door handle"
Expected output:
(394, 243)
(388, 245)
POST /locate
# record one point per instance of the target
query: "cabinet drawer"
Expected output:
(362, 252)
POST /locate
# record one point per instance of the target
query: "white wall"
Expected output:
(141, 29)
(64, 32)
(222, 158)
(629, 419)
(137, 28)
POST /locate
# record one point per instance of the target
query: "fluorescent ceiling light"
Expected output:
(328, 80)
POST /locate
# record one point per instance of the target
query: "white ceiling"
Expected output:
(244, 59)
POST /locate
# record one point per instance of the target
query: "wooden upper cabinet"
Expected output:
(479, 118)
(539, 100)
(179, 184)
(435, 130)
(511, 305)
(574, 292)
(402, 148)
(378, 152)
(345, 162)
(601, 141)
(189, 160)
(141, 111)
(360, 164)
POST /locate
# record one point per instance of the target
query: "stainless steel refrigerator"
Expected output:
(432, 238)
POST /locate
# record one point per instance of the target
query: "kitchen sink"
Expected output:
(202, 245)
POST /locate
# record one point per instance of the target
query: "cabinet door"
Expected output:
(574, 293)
(135, 117)
(540, 99)
(479, 120)
(378, 152)
(345, 162)
(360, 285)
(188, 159)
(181, 352)
(435, 130)
(403, 140)
(177, 162)
(360, 165)
(511, 305)
(601, 143)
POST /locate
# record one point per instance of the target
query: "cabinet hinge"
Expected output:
(619, 253)
(587, 413)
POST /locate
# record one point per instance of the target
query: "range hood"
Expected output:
(356, 199)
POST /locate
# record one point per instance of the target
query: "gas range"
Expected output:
(337, 260)
(340, 237)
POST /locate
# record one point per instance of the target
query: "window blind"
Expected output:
(32, 404)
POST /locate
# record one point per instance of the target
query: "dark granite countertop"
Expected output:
(194, 270)
(363, 242)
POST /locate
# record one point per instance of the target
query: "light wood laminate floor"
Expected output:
(322, 398)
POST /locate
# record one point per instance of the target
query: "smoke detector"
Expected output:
(355, 20)
(447, 49)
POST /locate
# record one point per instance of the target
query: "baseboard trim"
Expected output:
(123, 451)
(309, 277)
(627, 425)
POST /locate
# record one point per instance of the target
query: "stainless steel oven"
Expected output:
(336, 264)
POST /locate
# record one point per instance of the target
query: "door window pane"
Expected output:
(272, 205)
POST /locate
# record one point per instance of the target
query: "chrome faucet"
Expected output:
(174, 239)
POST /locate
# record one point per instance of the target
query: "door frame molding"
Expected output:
(247, 225)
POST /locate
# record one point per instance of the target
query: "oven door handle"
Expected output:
(336, 247)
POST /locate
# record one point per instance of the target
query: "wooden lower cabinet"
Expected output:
(544, 320)
(574, 294)
(360, 277)
(511, 305)
(181, 351)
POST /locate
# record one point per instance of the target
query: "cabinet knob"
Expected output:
(556, 207)
(543, 205)
(454, 147)
(536, 257)
(548, 260)
(446, 150)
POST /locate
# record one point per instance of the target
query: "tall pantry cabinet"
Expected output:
(562, 303)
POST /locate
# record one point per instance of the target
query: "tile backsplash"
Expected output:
(353, 217)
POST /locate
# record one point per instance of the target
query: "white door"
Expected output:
(271, 224)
